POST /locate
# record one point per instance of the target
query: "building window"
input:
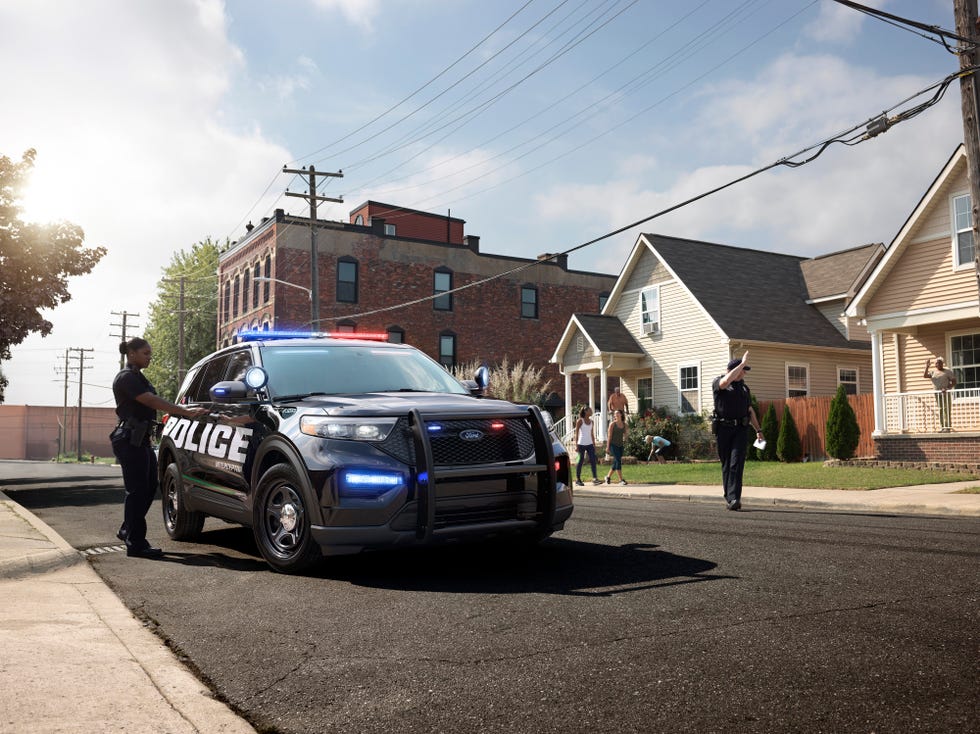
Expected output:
(347, 280)
(256, 286)
(964, 360)
(266, 287)
(227, 301)
(848, 377)
(963, 248)
(603, 300)
(346, 326)
(442, 281)
(529, 302)
(245, 289)
(359, 219)
(235, 295)
(650, 310)
(644, 395)
(447, 349)
(396, 335)
(797, 380)
(689, 379)
(390, 230)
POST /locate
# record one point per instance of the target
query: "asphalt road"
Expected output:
(642, 616)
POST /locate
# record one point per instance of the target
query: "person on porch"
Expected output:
(943, 380)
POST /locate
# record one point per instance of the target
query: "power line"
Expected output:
(908, 24)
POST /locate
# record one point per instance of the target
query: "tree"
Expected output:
(36, 261)
(843, 432)
(197, 270)
(770, 432)
(788, 446)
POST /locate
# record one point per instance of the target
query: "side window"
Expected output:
(347, 280)
(644, 394)
(848, 377)
(238, 363)
(797, 380)
(690, 381)
(963, 247)
(390, 230)
(650, 310)
(209, 374)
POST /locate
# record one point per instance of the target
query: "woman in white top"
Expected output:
(585, 444)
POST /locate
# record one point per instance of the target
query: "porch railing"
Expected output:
(919, 411)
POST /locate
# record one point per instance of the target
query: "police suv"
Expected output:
(328, 444)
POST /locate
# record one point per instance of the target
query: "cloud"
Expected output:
(360, 13)
(838, 23)
(126, 108)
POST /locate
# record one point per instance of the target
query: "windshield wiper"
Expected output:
(297, 396)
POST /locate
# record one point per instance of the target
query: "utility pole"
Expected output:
(63, 431)
(125, 315)
(311, 197)
(81, 357)
(968, 26)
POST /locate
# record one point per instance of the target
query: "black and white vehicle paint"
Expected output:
(326, 445)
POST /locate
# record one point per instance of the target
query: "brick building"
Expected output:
(387, 256)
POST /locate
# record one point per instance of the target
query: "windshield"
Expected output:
(337, 370)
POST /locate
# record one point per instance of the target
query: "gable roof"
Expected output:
(606, 334)
(892, 254)
(839, 274)
(752, 295)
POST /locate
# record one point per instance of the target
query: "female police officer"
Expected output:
(733, 414)
(137, 404)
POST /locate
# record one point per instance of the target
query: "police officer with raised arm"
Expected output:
(730, 422)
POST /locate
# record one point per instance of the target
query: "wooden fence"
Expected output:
(810, 415)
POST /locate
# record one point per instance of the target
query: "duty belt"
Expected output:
(733, 421)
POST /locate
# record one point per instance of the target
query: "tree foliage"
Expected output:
(770, 432)
(843, 431)
(196, 269)
(788, 445)
(36, 261)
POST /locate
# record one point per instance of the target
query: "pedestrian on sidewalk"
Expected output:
(615, 443)
(943, 381)
(585, 444)
(730, 421)
(137, 404)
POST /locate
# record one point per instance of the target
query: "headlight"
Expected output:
(350, 429)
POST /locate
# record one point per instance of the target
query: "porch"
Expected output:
(919, 412)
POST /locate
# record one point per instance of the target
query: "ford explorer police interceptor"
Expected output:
(329, 445)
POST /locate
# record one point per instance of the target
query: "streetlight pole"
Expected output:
(309, 291)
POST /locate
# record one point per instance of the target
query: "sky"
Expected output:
(543, 124)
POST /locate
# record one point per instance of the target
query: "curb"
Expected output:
(44, 550)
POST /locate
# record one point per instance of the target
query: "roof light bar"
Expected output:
(256, 336)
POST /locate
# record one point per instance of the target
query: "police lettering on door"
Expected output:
(212, 439)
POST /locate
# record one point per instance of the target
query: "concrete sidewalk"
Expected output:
(74, 659)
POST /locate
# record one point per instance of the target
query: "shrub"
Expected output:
(843, 431)
(788, 446)
(770, 432)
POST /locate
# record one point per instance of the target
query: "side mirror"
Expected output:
(229, 391)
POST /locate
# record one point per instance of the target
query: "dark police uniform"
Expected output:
(131, 445)
(731, 423)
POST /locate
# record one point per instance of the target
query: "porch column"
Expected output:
(591, 403)
(604, 404)
(878, 383)
(569, 418)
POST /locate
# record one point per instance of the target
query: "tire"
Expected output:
(180, 523)
(281, 522)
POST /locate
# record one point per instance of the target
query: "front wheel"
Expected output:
(181, 523)
(282, 522)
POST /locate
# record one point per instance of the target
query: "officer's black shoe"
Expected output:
(735, 505)
(147, 551)
(121, 534)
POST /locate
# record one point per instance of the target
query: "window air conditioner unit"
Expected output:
(651, 328)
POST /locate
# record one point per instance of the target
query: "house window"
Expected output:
(442, 281)
(390, 230)
(644, 395)
(964, 356)
(603, 300)
(347, 280)
(267, 286)
(650, 310)
(447, 349)
(689, 380)
(797, 380)
(396, 335)
(848, 377)
(963, 248)
(529, 302)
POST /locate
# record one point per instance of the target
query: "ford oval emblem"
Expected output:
(471, 434)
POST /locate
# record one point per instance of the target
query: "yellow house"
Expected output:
(919, 303)
(681, 309)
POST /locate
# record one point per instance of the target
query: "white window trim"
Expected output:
(857, 372)
(954, 232)
(948, 351)
(804, 365)
(680, 392)
(648, 294)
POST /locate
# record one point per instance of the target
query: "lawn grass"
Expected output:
(811, 475)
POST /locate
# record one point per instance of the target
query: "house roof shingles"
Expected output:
(835, 274)
(608, 333)
(751, 294)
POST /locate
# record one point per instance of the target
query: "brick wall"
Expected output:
(948, 449)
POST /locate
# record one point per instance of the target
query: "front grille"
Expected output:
(513, 442)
